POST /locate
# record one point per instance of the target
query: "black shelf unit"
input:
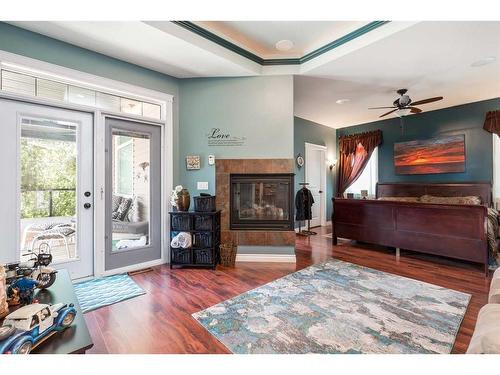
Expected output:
(205, 237)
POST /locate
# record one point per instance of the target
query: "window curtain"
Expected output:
(492, 122)
(355, 151)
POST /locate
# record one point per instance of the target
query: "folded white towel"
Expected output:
(175, 242)
(124, 244)
(184, 239)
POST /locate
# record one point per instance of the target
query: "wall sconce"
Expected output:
(331, 163)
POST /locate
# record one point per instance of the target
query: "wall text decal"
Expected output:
(219, 137)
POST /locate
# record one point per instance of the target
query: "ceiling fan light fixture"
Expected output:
(403, 112)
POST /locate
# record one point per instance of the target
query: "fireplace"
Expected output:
(261, 201)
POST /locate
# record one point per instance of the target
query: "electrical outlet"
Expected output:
(202, 185)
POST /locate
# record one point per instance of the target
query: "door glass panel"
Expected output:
(48, 163)
(131, 190)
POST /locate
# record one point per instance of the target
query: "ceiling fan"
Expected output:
(404, 105)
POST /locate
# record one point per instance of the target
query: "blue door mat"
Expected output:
(97, 293)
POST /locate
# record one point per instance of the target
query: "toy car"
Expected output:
(30, 325)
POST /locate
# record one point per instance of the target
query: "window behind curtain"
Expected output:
(368, 179)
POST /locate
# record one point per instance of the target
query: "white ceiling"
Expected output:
(260, 37)
(428, 58)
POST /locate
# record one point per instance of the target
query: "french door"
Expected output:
(133, 193)
(47, 185)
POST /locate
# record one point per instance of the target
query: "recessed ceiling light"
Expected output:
(284, 45)
(342, 101)
(484, 61)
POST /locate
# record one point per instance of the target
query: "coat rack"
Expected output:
(307, 232)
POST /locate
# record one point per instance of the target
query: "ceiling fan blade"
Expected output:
(381, 107)
(415, 109)
(388, 113)
(428, 100)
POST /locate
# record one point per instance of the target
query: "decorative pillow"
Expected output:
(121, 212)
(115, 202)
(469, 200)
(133, 214)
(400, 199)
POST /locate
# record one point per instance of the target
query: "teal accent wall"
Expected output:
(465, 119)
(311, 132)
(40, 47)
(257, 108)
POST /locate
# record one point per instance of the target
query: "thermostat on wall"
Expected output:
(211, 159)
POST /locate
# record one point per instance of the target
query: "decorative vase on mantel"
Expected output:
(183, 200)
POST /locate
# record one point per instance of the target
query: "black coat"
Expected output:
(303, 203)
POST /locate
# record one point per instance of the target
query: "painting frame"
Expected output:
(437, 155)
(193, 162)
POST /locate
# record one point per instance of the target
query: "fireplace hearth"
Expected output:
(261, 201)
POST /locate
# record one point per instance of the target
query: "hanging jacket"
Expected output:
(303, 203)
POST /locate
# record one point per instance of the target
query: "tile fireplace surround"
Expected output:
(260, 238)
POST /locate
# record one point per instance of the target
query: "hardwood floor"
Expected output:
(160, 321)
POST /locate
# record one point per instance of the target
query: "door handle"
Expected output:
(87, 206)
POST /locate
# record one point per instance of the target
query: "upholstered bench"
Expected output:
(486, 337)
(494, 294)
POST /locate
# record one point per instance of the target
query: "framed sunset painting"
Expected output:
(445, 154)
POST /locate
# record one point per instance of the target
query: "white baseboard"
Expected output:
(283, 258)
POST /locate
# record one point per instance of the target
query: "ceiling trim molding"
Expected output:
(286, 61)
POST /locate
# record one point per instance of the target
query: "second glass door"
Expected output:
(133, 202)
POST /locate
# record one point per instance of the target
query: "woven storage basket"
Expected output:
(227, 254)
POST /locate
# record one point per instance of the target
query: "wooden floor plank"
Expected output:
(160, 321)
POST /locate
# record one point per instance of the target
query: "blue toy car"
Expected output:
(30, 325)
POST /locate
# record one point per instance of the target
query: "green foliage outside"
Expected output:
(47, 164)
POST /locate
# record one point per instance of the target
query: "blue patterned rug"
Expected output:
(106, 291)
(339, 307)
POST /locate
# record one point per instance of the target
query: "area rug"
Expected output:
(106, 291)
(339, 307)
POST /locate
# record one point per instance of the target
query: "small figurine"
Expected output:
(25, 287)
(13, 297)
(30, 325)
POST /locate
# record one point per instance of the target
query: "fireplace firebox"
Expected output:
(261, 201)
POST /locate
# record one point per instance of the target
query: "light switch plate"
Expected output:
(202, 185)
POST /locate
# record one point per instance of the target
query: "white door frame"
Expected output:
(46, 69)
(308, 148)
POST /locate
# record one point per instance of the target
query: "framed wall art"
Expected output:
(445, 154)
(193, 162)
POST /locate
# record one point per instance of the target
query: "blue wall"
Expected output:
(311, 132)
(40, 47)
(257, 108)
(465, 119)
